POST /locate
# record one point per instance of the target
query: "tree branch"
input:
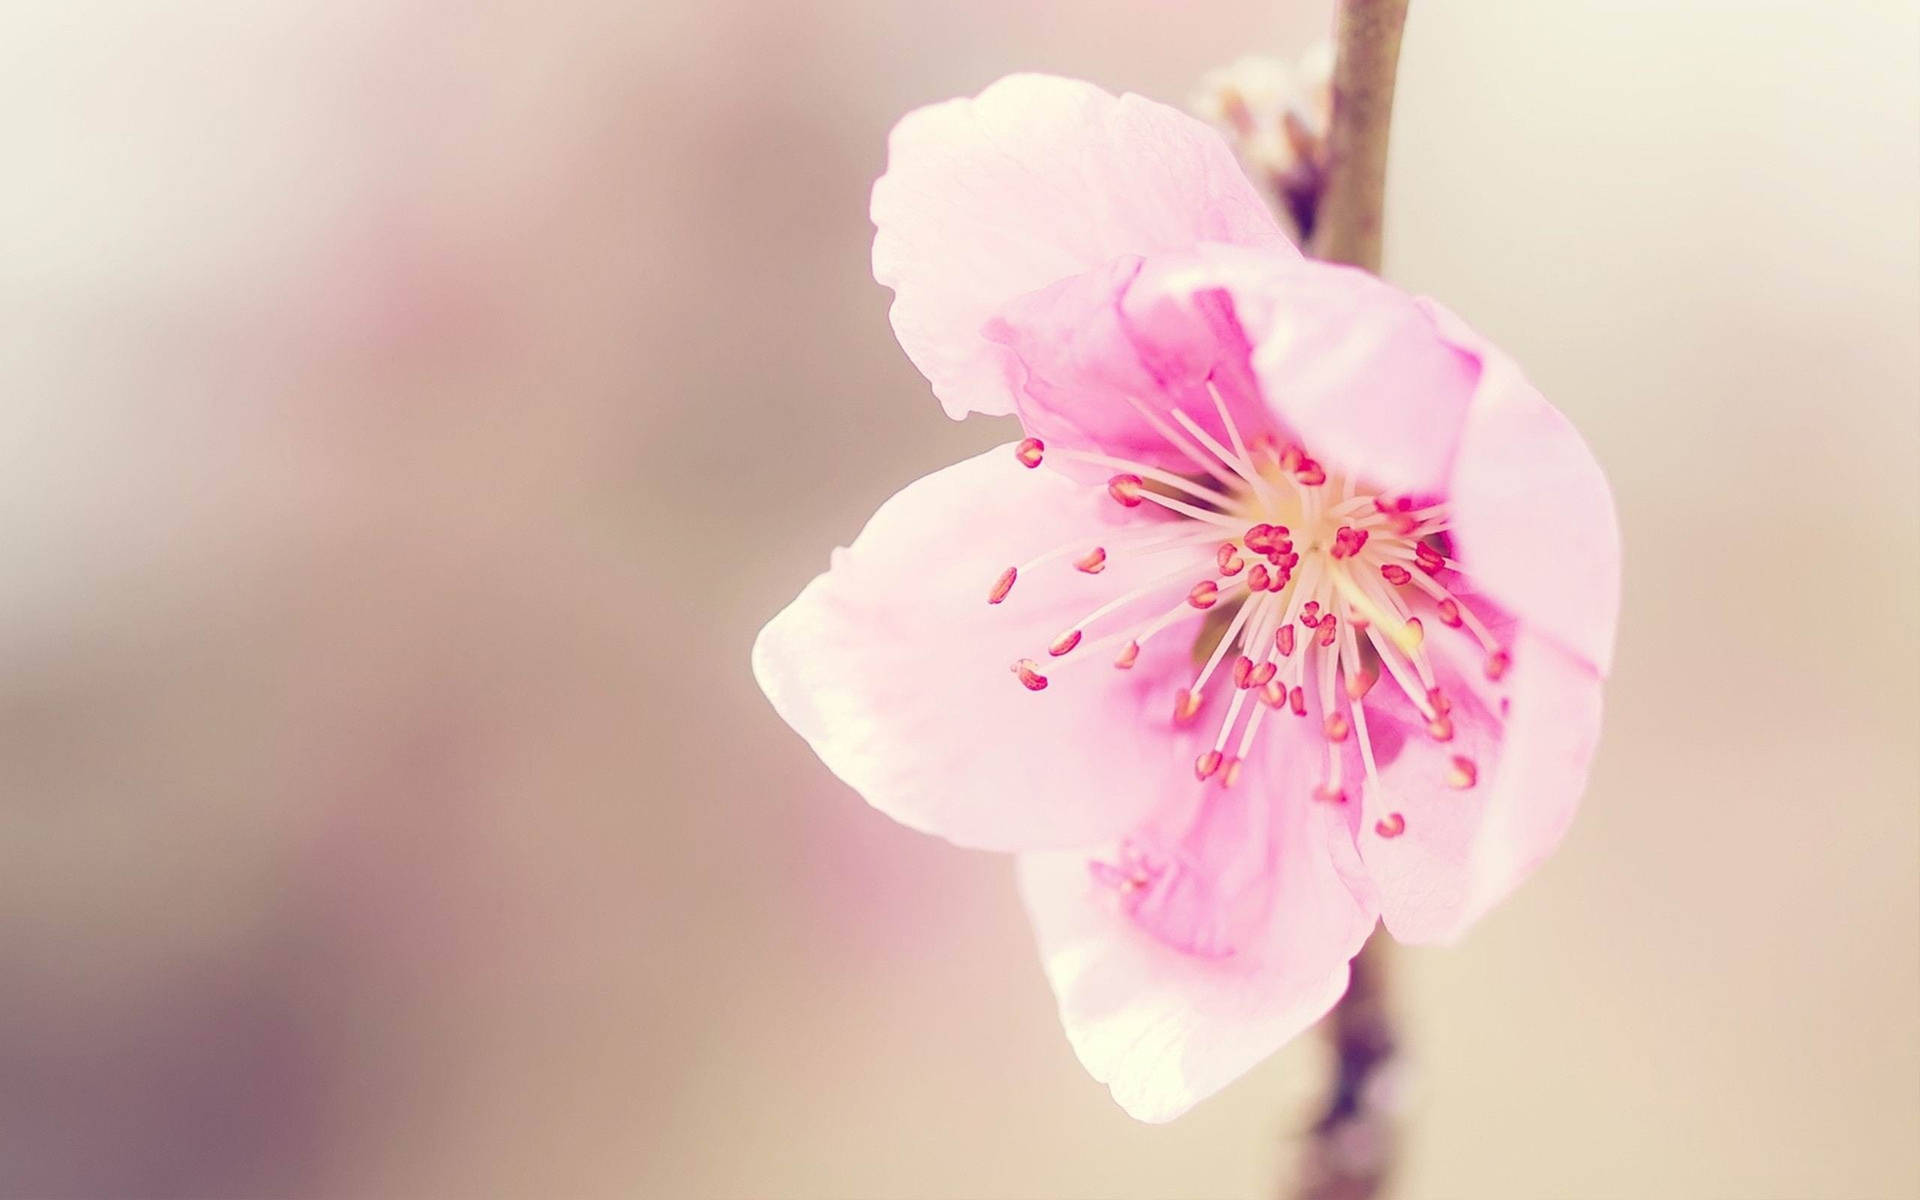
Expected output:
(1350, 1153)
(1366, 51)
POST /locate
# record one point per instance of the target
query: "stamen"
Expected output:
(1186, 702)
(1232, 718)
(1183, 508)
(1226, 422)
(1462, 773)
(1158, 584)
(1003, 585)
(1137, 635)
(1259, 675)
(1245, 460)
(1450, 607)
(1181, 444)
(1336, 600)
(1392, 644)
(1384, 609)
(1029, 673)
(1226, 641)
(1359, 682)
(1329, 667)
(1181, 483)
(1359, 685)
(1399, 516)
(1268, 539)
(1140, 632)
(1238, 465)
(1139, 540)
(1390, 826)
(1262, 447)
(1267, 701)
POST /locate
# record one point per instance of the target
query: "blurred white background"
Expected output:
(411, 412)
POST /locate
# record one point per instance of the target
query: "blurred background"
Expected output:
(411, 411)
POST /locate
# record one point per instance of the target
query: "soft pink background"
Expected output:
(411, 411)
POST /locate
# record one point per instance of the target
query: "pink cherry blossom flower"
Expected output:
(1288, 615)
(1275, 116)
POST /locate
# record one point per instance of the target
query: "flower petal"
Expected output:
(1103, 360)
(1327, 356)
(1463, 849)
(1357, 369)
(1165, 1029)
(1552, 733)
(1035, 179)
(895, 667)
(1533, 517)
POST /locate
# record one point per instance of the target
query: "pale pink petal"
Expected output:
(1533, 517)
(1357, 369)
(1415, 831)
(1164, 1027)
(1552, 733)
(1035, 179)
(1102, 361)
(897, 670)
(1461, 849)
(1328, 357)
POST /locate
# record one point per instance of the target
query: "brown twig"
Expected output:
(1366, 51)
(1349, 1154)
